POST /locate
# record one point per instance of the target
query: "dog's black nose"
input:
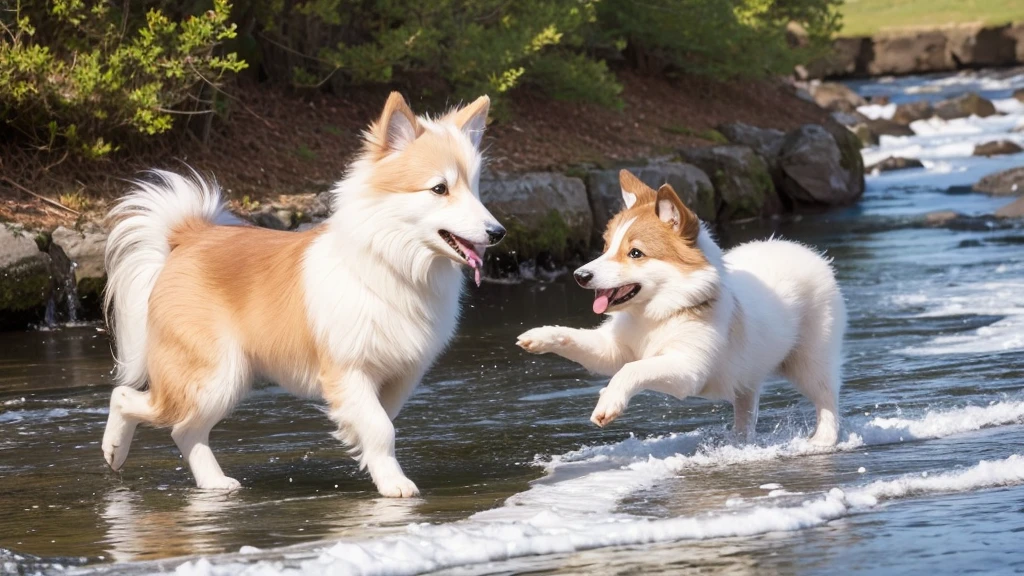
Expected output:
(495, 234)
(583, 277)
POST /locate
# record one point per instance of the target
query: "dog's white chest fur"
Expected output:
(369, 315)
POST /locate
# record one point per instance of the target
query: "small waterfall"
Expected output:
(63, 305)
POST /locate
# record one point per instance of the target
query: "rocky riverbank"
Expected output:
(553, 218)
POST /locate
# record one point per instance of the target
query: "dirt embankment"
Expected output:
(278, 142)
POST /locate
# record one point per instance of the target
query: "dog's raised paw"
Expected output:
(541, 340)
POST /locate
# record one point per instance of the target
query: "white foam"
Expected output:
(991, 298)
(426, 548)
(878, 111)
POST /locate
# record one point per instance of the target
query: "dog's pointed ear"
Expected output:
(472, 119)
(671, 210)
(633, 190)
(397, 127)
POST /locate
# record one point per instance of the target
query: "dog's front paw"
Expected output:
(542, 340)
(219, 483)
(610, 406)
(398, 487)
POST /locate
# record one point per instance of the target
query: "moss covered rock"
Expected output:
(691, 183)
(543, 213)
(821, 166)
(25, 284)
(741, 179)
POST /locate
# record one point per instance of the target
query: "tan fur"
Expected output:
(214, 281)
(652, 236)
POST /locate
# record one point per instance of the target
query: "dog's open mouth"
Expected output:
(608, 297)
(466, 250)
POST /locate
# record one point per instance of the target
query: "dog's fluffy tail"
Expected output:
(137, 249)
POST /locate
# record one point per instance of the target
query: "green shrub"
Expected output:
(87, 75)
(474, 47)
(722, 39)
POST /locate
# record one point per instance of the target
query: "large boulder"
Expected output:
(836, 97)
(997, 148)
(907, 52)
(766, 142)
(25, 284)
(819, 168)
(85, 250)
(544, 213)
(742, 180)
(913, 111)
(1006, 183)
(1016, 35)
(691, 184)
(969, 104)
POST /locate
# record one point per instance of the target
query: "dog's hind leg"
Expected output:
(745, 408)
(128, 407)
(816, 374)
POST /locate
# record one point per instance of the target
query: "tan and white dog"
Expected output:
(353, 311)
(688, 320)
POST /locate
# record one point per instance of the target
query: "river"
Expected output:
(928, 477)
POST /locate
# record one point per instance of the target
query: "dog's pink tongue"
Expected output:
(600, 304)
(476, 263)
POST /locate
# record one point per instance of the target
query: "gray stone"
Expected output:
(742, 180)
(969, 104)
(815, 170)
(849, 56)
(86, 250)
(1006, 183)
(542, 212)
(765, 141)
(870, 130)
(836, 97)
(25, 284)
(976, 46)
(913, 111)
(1014, 209)
(895, 163)
(691, 184)
(997, 148)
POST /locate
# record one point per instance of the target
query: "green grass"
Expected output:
(863, 17)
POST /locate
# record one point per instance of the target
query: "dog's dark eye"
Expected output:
(634, 253)
(441, 189)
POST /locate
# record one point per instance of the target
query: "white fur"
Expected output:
(381, 289)
(718, 333)
(136, 251)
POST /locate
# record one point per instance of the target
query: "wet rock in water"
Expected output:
(545, 214)
(1006, 183)
(690, 182)
(969, 104)
(895, 163)
(1013, 210)
(869, 131)
(25, 285)
(907, 113)
(997, 148)
(836, 97)
(941, 218)
(1019, 94)
(86, 250)
(741, 178)
(818, 167)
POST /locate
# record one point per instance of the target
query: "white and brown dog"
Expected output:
(353, 311)
(687, 320)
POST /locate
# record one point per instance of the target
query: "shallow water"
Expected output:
(929, 474)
